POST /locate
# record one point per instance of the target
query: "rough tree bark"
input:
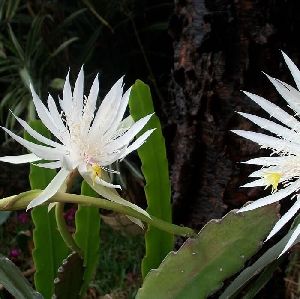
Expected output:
(220, 47)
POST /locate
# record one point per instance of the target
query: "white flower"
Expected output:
(88, 140)
(281, 170)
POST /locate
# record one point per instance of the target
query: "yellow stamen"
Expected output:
(272, 179)
(96, 171)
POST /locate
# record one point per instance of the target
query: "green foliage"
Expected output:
(262, 280)
(200, 266)
(266, 261)
(13, 280)
(155, 170)
(50, 249)
(40, 40)
(118, 271)
(69, 279)
(87, 236)
(28, 56)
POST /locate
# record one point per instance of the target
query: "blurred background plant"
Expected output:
(41, 40)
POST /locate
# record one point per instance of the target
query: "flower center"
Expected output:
(272, 179)
(96, 171)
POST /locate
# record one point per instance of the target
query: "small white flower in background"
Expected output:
(88, 140)
(281, 170)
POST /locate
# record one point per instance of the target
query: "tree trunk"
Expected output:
(220, 47)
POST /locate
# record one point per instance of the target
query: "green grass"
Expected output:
(118, 272)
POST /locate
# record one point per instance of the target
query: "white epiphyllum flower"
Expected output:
(87, 140)
(281, 170)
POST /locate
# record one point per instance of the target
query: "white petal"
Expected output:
(106, 184)
(67, 103)
(78, 94)
(121, 111)
(51, 189)
(256, 183)
(276, 196)
(272, 127)
(289, 93)
(90, 107)
(28, 158)
(293, 69)
(265, 161)
(44, 114)
(292, 239)
(112, 194)
(129, 135)
(270, 141)
(274, 111)
(108, 109)
(44, 152)
(263, 171)
(35, 134)
(50, 165)
(136, 144)
(285, 218)
(57, 117)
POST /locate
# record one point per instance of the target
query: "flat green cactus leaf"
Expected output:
(220, 250)
(155, 170)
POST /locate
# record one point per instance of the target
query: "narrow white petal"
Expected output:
(112, 194)
(256, 183)
(137, 143)
(129, 135)
(90, 107)
(44, 114)
(292, 239)
(274, 197)
(50, 165)
(274, 111)
(92, 97)
(78, 94)
(28, 158)
(51, 189)
(285, 218)
(106, 184)
(263, 171)
(289, 93)
(57, 117)
(67, 102)
(272, 127)
(122, 108)
(265, 161)
(270, 141)
(36, 135)
(293, 69)
(108, 109)
(41, 151)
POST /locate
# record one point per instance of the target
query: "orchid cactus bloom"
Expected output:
(88, 140)
(281, 170)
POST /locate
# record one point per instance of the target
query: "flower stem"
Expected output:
(63, 228)
(19, 202)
